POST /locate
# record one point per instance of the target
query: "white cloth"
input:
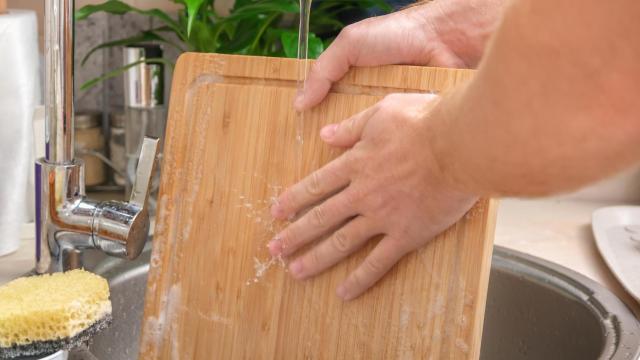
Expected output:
(19, 89)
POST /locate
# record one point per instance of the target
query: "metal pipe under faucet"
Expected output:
(59, 88)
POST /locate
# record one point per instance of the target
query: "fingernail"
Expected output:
(341, 291)
(296, 268)
(328, 131)
(275, 247)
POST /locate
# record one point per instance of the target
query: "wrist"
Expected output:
(442, 147)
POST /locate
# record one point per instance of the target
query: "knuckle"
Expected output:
(373, 266)
(351, 125)
(356, 195)
(330, 173)
(312, 187)
(391, 106)
(288, 201)
(340, 242)
(377, 201)
(288, 242)
(385, 115)
(314, 259)
(318, 216)
(348, 33)
(357, 281)
(391, 97)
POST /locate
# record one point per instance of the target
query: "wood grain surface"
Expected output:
(215, 293)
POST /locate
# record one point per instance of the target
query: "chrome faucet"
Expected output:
(67, 222)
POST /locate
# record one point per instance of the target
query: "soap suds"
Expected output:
(261, 267)
(462, 321)
(173, 305)
(405, 314)
(259, 212)
(438, 308)
(462, 345)
(155, 327)
(405, 350)
(162, 214)
(210, 317)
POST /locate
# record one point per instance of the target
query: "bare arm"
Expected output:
(555, 104)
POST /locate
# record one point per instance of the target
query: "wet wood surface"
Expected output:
(214, 292)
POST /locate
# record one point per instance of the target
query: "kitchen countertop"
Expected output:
(555, 229)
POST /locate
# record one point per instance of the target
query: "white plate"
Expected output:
(617, 233)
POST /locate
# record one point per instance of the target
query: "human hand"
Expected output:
(450, 33)
(387, 183)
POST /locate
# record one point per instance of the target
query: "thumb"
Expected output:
(330, 67)
(348, 132)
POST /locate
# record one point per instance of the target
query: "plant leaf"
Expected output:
(263, 8)
(204, 37)
(263, 27)
(289, 41)
(290, 44)
(356, 4)
(315, 47)
(242, 39)
(145, 36)
(119, 71)
(193, 7)
(118, 7)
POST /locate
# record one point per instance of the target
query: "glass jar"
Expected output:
(145, 113)
(117, 150)
(90, 146)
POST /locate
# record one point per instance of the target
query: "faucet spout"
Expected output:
(59, 88)
(67, 222)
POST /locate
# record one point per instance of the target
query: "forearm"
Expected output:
(553, 105)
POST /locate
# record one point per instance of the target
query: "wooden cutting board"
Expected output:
(213, 290)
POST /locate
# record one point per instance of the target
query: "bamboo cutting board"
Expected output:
(213, 290)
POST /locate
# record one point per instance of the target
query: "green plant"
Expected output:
(254, 27)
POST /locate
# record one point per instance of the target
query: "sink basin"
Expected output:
(535, 310)
(539, 310)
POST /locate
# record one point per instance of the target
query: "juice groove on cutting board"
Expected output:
(213, 290)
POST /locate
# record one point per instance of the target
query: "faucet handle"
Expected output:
(121, 229)
(144, 173)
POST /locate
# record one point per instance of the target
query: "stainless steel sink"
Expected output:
(539, 310)
(535, 310)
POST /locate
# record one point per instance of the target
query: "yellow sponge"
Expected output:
(50, 310)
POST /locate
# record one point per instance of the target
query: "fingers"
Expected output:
(312, 189)
(330, 67)
(335, 248)
(315, 223)
(377, 263)
(348, 132)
